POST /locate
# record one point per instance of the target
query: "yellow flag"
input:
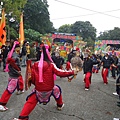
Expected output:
(2, 29)
(21, 30)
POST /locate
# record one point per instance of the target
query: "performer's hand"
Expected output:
(83, 75)
(76, 72)
(19, 72)
(80, 69)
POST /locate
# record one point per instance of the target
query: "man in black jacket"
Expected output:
(87, 69)
(107, 62)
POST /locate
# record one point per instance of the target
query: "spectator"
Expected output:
(5, 50)
(114, 68)
(24, 54)
(58, 60)
(28, 50)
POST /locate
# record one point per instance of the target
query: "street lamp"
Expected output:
(10, 21)
(1, 4)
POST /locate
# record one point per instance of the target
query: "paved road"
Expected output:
(96, 104)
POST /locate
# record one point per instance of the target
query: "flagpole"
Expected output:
(21, 30)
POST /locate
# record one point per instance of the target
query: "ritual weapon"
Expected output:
(28, 75)
(76, 64)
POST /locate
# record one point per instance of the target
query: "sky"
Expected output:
(102, 14)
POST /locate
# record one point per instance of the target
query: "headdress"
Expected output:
(40, 64)
(10, 54)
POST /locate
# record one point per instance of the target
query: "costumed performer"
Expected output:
(87, 69)
(15, 80)
(70, 56)
(106, 62)
(42, 77)
(75, 63)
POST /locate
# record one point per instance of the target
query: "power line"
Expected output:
(74, 16)
(84, 15)
(88, 9)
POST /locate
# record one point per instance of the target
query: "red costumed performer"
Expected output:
(42, 77)
(15, 80)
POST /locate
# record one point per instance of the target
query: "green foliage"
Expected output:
(13, 9)
(90, 43)
(110, 35)
(32, 35)
(84, 29)
(14, 6)
(36, 16)
(13, 33)
(65, 28)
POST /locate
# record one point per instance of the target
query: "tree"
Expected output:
(32, 35)
(13, 9)
(90, 43)
(36, 16)
(84, 29)
(110, 35)
(45, 3)
(14, 6)
(65, 28)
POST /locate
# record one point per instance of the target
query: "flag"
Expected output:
(21, 30)
(2, 29)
